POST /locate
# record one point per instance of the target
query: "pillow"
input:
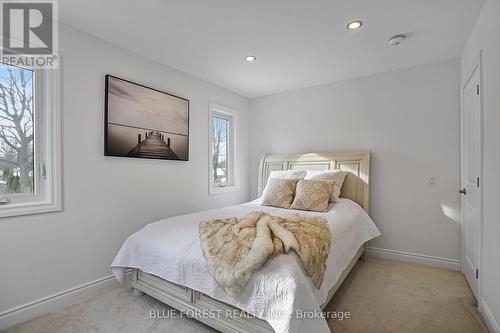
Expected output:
(279, 192)
(337, 176)
(287, 174)
(313, 195)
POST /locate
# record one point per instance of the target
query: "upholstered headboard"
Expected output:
(357, 163)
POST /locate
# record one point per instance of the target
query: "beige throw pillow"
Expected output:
(279, 192)
(338, 176)
(313, 195)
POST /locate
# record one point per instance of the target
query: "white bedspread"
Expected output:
(171, 249)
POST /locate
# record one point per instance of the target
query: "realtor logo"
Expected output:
(29, 33)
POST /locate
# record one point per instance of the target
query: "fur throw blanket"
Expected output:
(235, 248)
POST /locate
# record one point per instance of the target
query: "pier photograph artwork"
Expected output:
(143, 122)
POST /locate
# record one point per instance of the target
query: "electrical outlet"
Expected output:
(432, 181)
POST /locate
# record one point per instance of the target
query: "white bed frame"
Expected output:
(355, 187)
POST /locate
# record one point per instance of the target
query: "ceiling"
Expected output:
(297, 43)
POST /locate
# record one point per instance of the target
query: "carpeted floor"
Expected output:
(381, 296)
(389, 296)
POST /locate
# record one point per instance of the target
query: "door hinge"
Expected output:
(477, 89)
(477, 181)
(477, 273)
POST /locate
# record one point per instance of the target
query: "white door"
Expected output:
(471, 134)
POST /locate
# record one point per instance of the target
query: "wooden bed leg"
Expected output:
(137, 293)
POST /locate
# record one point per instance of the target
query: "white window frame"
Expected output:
(47, 150)
(217, 110)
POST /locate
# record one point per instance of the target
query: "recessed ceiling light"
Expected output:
(354, 25)
(250, 58)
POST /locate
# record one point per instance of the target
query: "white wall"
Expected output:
(106, 199)
(410, 121)
(486, 36)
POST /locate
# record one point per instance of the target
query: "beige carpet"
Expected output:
(388, 296)
(381, 296)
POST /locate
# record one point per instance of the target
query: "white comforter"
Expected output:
(171, 249)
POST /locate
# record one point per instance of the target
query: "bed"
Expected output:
(167, 261)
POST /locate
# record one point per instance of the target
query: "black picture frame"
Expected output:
(110, 142)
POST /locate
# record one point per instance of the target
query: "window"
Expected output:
(29, 135)
(16, 130)
(222, 149)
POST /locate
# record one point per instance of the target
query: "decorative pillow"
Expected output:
(313, 195)
(279, 192)
(286, 174)
(338, 176)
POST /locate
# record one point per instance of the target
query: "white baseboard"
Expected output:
(54, 302)
(490, 320)
(415, 258)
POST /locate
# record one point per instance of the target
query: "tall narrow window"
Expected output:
(220, 170)
(29, 141)
(17, 120)
(222, 161)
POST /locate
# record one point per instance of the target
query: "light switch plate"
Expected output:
(432, 181)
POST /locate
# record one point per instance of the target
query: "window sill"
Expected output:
(223, 189)
(21, 209)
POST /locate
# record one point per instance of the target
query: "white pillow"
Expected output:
(286, 174)
(337, 176)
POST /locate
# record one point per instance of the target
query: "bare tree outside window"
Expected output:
(16, 130)
(220, 128)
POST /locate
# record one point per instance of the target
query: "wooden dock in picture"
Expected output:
(153, 146)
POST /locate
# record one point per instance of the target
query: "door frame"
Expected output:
(476, 65)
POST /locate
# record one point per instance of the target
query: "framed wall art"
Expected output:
(142, 122)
